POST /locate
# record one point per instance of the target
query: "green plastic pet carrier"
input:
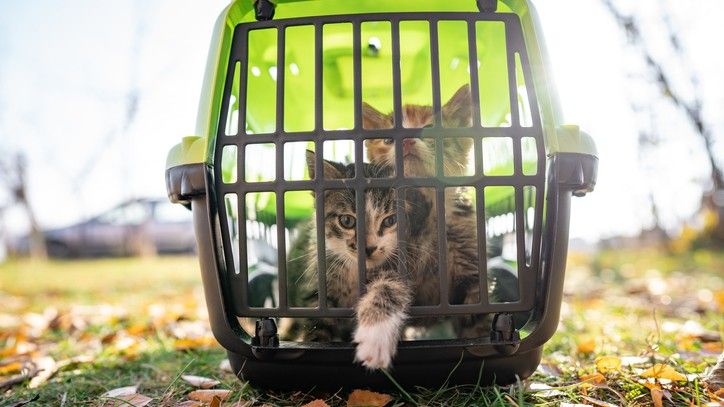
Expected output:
(290, 76)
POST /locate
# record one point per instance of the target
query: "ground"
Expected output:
(98, 325)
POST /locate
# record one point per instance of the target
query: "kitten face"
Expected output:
(340, 220)
(419, 153)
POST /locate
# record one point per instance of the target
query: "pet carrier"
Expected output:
(290, 76)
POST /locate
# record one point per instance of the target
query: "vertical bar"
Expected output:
(473, 62)
(280, 85)
(442, 242)
(243, 72)
(482, 242)
(399, 167)
(281, 221)
(396, 82)
(435, 70)
(357, 69)
(359, 157)
(318, 79)
(512, 81)
(319, 221)
(520, 240)
(243, 275)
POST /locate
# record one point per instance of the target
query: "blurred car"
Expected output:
(136, 227)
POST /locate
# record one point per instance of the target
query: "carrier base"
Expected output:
(293, 375)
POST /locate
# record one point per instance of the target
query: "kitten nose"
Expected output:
(407, 144)
(369, 250)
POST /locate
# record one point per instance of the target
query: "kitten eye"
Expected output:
(347, 221)
(389, 221)
(388, 141)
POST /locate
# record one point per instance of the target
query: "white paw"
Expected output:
(377, 343)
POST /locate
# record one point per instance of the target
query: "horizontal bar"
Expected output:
(422, 310)
(391, 17)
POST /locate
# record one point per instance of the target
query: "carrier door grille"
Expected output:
(507, 195)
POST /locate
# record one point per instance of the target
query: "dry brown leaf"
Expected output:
(10, 368)
(587, 345)
(366, 398)
(608, 364)
(316, 403)
(593, 378)
(128, 400)
(121, 391)
(215, 402)
(208, 395)
(661, 371)
(657, 396)
(200, 381)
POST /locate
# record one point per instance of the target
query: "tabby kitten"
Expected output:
(381, 311)
(418, 154)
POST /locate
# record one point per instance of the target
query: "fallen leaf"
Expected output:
(121, 391)
(10, 368)
(598, 402)
(201, 342)
(661, 371)
(215, 402)
(657, 396)
(46, 369)
(365, 398)
(549, 369)
(544, 390)
(593, 378)
(128, 400)
(586, 346)
(208, 395)
(608, 364)
(316, 403)
(200, 382)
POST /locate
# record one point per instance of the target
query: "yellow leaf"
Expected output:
(10, 368)
(607, 364)
(657, 395)
(202, 342)
(586, 346)
(364, 398)
(595, 378)
(208, 395)
(661, 371)
(713, 347)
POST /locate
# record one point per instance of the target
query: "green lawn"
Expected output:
(123, 322)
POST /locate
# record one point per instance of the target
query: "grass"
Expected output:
(142, 322)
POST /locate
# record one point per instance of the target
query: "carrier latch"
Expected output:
(504, 337)
(266, 334)
(487, 6)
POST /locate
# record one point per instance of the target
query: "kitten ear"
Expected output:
(458, 111)
(331, 169)
(374, 119)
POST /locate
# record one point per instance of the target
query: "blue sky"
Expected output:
(66, 68)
